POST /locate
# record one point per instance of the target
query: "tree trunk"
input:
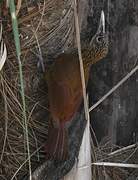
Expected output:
(117, 115)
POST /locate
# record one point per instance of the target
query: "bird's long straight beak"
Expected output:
(101, 28)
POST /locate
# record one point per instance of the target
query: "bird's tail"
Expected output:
(57, 143)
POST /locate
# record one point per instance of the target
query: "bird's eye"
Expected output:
(99, 39)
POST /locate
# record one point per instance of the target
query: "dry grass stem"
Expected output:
(121, 165)
(122, 149)
(114, 88)
(81, 61)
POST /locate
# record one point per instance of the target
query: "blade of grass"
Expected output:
(18, 52)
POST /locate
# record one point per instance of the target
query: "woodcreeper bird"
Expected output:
(65, 88)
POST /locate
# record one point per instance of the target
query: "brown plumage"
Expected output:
(65, 89)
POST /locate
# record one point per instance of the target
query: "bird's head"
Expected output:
(99, 42)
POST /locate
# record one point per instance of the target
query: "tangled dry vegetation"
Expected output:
(47, 27)
(43, 25)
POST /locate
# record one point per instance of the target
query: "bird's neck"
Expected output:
(88, 56)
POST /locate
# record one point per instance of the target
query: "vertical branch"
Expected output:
(81, 62)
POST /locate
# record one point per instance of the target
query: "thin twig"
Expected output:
(114, 88)
(123, 149)
(25, 162)
(40, 22)
(112, 164)
(132, 154)
(39, 49)
(6, 121)
(29, 118)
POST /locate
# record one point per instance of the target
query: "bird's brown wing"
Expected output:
(64, 86)
(64, 101)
